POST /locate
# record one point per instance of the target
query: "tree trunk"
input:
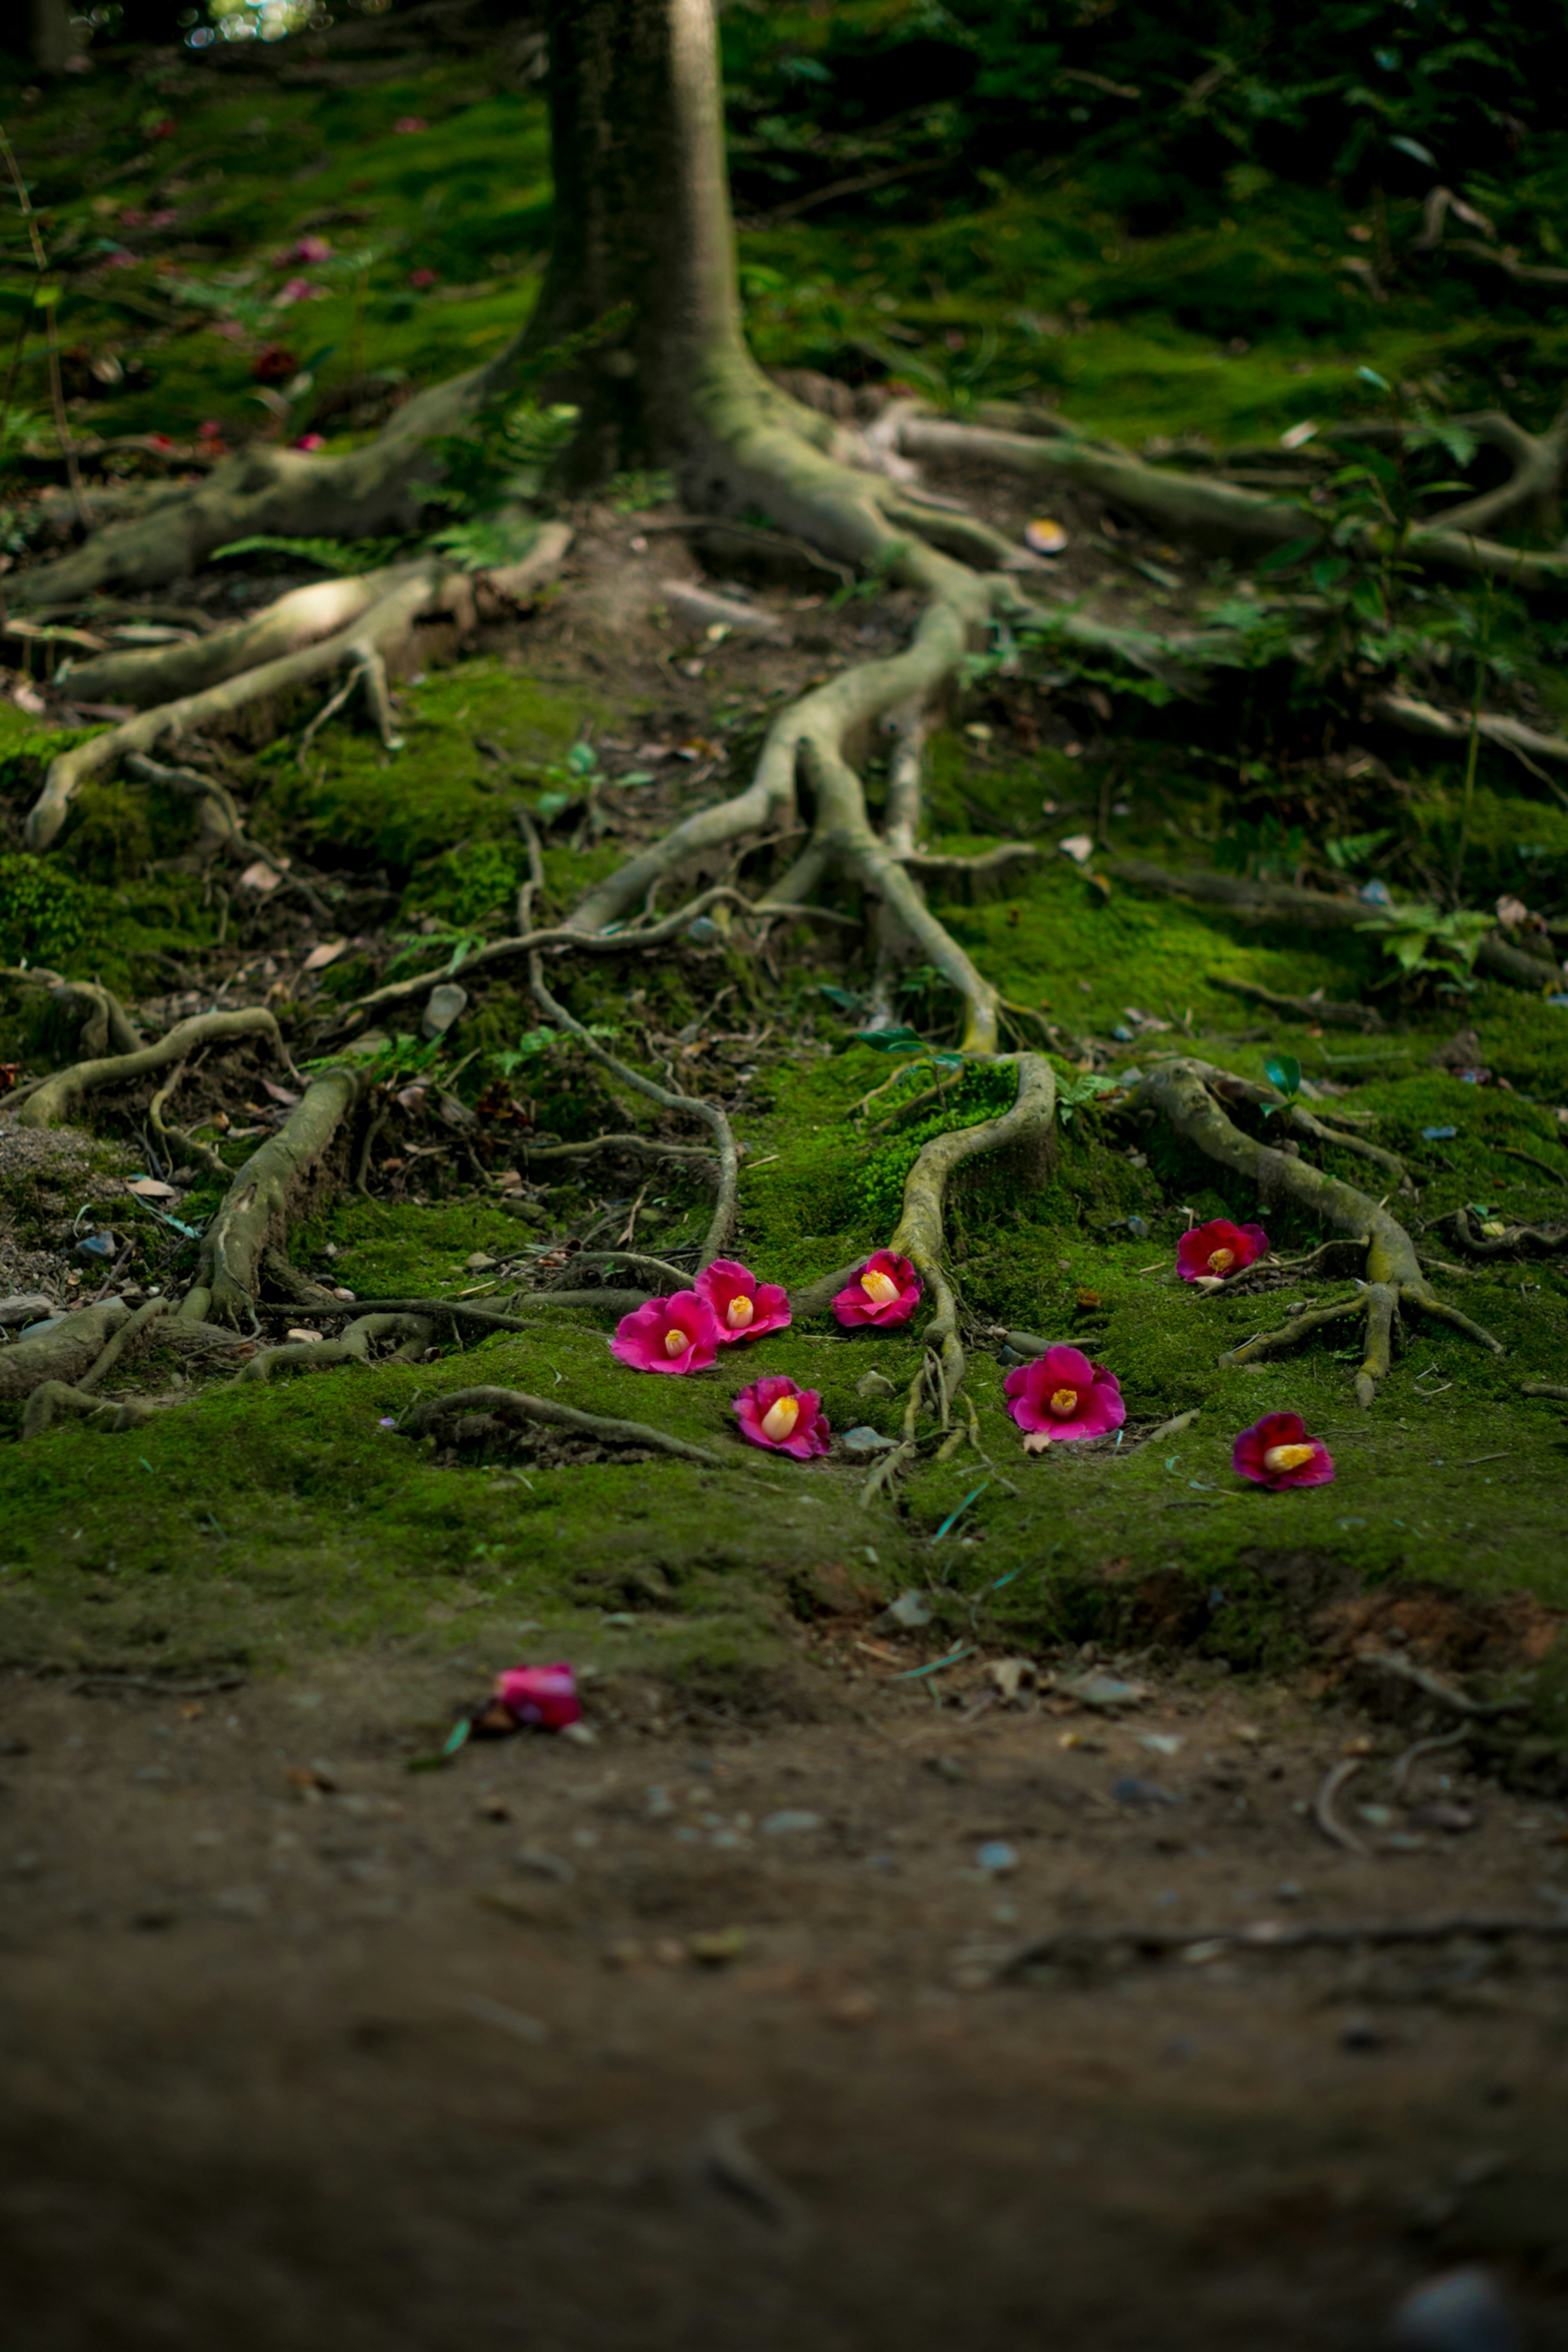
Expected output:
(641, 224)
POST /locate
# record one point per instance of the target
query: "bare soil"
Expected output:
(583, 2044)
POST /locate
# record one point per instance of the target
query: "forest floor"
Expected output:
(302, 2046)
(703, 2033)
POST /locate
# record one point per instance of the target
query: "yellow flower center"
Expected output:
(879, 1288)
(1220, 1261)
(675, 1341)
(780, 1418)
(1287, 1457)
(738, 1313)
(1064, 1403)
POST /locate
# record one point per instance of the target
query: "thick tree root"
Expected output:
(105, 1021)
(1031, 1121)
(510, 1405)
(1314, 910)
(366, 1331)
(55, 1400)
(1424, 719)
(54, 1099)
(1186, 1093)
(1212, 513)
(361, 648)
(63, 1353)
(253, 1212)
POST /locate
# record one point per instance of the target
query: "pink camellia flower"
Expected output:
(311, 441)
(680, 1334)
(411, 122)
(421, 278)
(1212, 1253)
(745, 1307)
(1062, 1395)
(1277, 1452)
(544, 1696)
(885, 1291)
(775, 1413)
(310, 249)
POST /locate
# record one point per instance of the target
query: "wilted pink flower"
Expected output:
(885, 1291)
(309, 441)
(296, 289)
(545, 1695)
(669, 1335)
(1277, 1452)
(775, 1413)
(310, 249)
(411, 122)
(422, 278)
(1218, 1250)
(1062, 1396)
(745, 1307)
(209, 429)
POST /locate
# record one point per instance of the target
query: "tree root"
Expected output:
(54, 1399)
(1216, 514)
(1433, 725)
(353, 1348)
(711, 1116)
(55, 1099)
(174, 1138)
(510, 1405)
(1303, 1121)
(63, 1353)
(1184, 1093)
(919, 1237)
(640, 1147)
(105, 1021)
(1315, 910)
(254, 1211)
(631, 940)
(405, 596)
(1542, 1240)
(1365, 1017)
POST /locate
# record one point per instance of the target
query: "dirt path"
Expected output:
(301, 2048)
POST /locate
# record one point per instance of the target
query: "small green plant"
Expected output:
(1284, 1071)
(1422, 940)
(350, 556)
(45, 913)
(1084, 1087)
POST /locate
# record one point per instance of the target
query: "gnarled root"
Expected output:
(254, 1211)
(52, 1099)
(919, 1236)
(363, 1333)
(63, 1353)
(512, 1406)
(1186, 1093)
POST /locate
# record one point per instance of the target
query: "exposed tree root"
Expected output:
(366, 1331)
(1365, 1017)
(361, 648)
(1030, 1121)
(1186, 1093)
(1317, 910)
(105, 1021)
(64, 1352)
(1424, 719)
(54, 1400)
(1540, 1241)
(511, 1406)
(711, 1116)
(254, 1211)
(53, 1100)
(1217, 514)
(633, 939)
(1297, 1117)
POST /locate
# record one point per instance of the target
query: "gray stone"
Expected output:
(442, 1008)
(25, 1306)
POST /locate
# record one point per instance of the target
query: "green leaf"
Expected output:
(1281, 558)
(1285, 1072)
(897, 1040)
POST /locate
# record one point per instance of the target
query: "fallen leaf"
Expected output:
(280, 1093)
(260, 875)
(148, 1188)
(319, 958)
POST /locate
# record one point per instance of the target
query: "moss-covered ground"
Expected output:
(257, 1523)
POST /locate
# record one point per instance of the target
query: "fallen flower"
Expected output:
(775, 1413)
(745, 1307)
(411, 122)
(296, 289)
(273, 362)
(680, 1334)
(421, 278)
(1219, 1250)
(309, 248)
(885, 1291)
(1062, 1396)
(544, 1696)
(311, 441)
(1277, 1452)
